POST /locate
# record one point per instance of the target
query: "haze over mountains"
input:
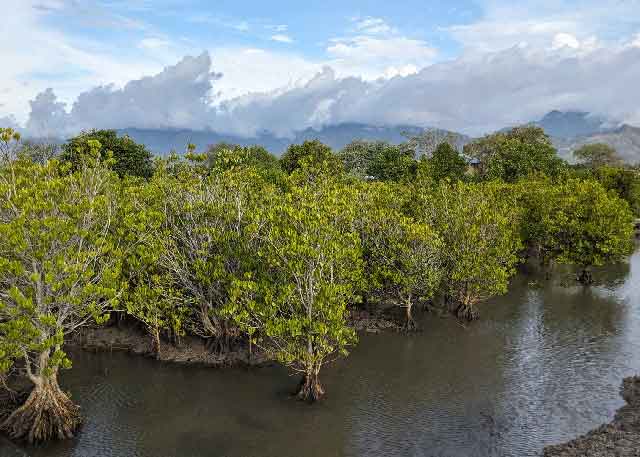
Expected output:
(569, 130)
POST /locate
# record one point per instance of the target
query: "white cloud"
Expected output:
(277, 70)
(537, 23)
(372, 57)
(176, 97)
(562, 40)
(472, 94)
(374, 74)
(36, 56)
(281, 38)
(376, 49)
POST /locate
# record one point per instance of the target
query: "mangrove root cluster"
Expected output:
(47, 414)
(310, 389)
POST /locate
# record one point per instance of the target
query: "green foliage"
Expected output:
(310, 155)
(295, 304)
(597, 155)
(536, 198)
(446, 163)
(625, 182)
(588, 226)
(206, 246)
(519, 153)
(9, 143)
(59, 265)
(228, 245)
(222, 157)
(402, 257)
(38, 152)
(379, 160)
(150, 295)
(130, 158)
(479, 224)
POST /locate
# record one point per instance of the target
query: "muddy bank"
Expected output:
(365, 321)
(620, 438)
(190, 350)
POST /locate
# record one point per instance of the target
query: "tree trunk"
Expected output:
(585, 277)
(48, 413)
(411, 323)
(466, 310)
(156, 342)
(310, 389)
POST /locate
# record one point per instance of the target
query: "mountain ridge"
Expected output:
(569, 130)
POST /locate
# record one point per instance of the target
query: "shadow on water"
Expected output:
(543, 365)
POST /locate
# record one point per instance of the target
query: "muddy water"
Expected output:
(542, 366)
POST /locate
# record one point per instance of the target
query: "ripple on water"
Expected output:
(542, 366)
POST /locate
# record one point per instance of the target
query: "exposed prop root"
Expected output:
(467, 313)
(310, 389)
(410, 324)
(47, 414)
(585, 277)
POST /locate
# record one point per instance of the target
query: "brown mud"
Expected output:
(620, 438)
(189, 351)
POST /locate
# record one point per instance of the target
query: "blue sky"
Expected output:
(253, 23)
(271, 47)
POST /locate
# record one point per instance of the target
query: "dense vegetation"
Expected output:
(242, 249)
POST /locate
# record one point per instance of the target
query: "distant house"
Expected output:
(473, 166)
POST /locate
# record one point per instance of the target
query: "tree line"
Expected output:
(242, 248)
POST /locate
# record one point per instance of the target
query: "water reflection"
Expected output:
(543, 365)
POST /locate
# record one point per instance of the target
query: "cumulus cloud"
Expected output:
(48, 116)
(562, 40)
(544, 23)
(35, 54)
(375, 49)
(471, 94)
(177, 97)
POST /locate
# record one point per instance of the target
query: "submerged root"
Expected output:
(467, 312)
(585, 277)
(310, 389)
(47, 414)
(410, 323)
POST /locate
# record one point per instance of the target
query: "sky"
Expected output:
(246, 67)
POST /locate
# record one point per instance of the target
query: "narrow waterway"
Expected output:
(542, 366)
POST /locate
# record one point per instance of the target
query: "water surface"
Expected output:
(542, 366)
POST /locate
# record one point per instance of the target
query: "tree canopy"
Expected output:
(515, 154)
(597, 155)
(238, 249)
(130, 158)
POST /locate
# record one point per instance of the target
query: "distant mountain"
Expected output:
(162, 142)
(625, 139)
(572, 124)
(571, 129)
(568, 130)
